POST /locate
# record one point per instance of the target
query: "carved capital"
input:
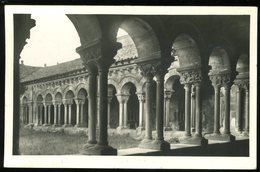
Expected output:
(151, 68)
(190, 76)
(122, 98)
(220, 80)
(141, 97)
(242, 83)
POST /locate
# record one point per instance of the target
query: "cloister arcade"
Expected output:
(182, 78)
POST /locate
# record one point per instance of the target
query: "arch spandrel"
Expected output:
(114, 84)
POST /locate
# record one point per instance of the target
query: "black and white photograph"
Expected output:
(130, 87)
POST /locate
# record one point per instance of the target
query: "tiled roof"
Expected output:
(128, 51)
(26, 70)
(54, 70)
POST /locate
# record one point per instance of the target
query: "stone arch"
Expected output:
(82, 93)
(186, 51)
(114, 83)
(69, 94)
(219, 61)
(57, 90)
(88, 28)
(242, 63)
(144, 37)
(48, 97)
(58, 97)
(39, 98)
(68, 88)
(170, 82)
(79, 87)
(24, 99)
(129, 79)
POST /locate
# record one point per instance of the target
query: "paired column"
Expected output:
(167, 99)
(218, 81)
(193, 108)
(79, 113)
(65, 113)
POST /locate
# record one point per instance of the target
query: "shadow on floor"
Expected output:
(237, 148)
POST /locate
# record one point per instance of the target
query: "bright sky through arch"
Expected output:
(53, 40)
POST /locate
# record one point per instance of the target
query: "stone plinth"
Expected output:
(155, 144)
(194, 140)
(95, 149)
(221, 137)
(167, 128)
(67, 125)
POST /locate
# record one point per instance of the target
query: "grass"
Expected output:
(48, 143)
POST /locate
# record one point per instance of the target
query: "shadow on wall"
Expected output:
(208, 108)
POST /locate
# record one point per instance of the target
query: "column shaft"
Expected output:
(92, 108)
(49, 114)
(81, 114)
(102, 81)
(141, 104)
(187, 109)
(217, 110)
(45, 114)
(121, 113)
(227, 110)
(78, 117)
(148, 122)
(59, 117)
(159, 106)
(125, 115)
(247, 110)
(55, 114)
(198, 124)
(70, 114)
(65, 114)
(239, 110)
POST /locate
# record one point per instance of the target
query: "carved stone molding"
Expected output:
(220, 79)
(141, 97)
(190, 76)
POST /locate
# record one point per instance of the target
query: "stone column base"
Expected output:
(67, 125)
(80, 125)
(221, 137)
(167, 128)
(46, 125)
(56, 125)
(245, 134)
(122, 127)
(154, 144)
(194, 140)
(95, 149)
(139, 129)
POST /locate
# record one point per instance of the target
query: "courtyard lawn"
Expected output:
(48, 143)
